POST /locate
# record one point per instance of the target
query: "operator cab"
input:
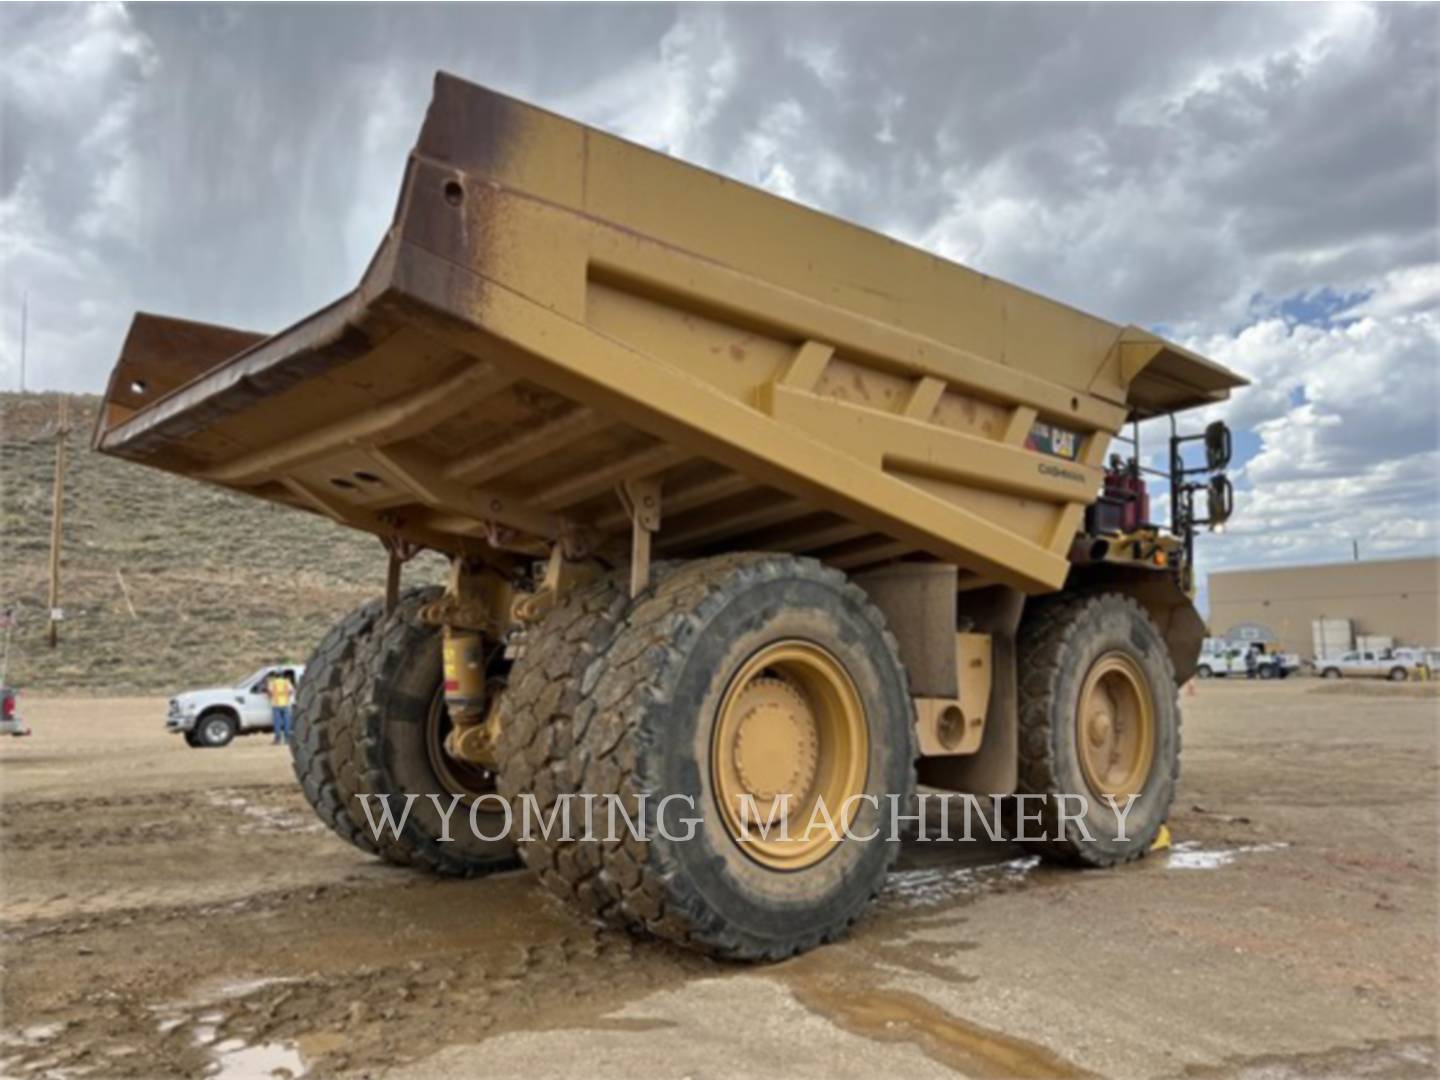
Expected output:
(1118, 526)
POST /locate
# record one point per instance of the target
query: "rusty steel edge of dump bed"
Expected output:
(520, 264)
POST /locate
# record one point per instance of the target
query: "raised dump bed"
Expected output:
(573, 349)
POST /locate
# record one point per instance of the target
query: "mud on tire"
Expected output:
(385, 744)
(646, 724)
(1061, 642)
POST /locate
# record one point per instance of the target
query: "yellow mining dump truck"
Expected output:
(742, 503)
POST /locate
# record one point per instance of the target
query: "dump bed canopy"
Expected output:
(556, 313)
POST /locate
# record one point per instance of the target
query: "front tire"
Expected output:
(215, 729)
(1098, 718)
(749, 674)
(1398, 674)
(1203, 672)
(1331, 673)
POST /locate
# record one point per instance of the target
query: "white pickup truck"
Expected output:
(1220, 658)
(213, 717)
(1365, 664)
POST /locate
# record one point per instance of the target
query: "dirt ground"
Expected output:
(173, 912)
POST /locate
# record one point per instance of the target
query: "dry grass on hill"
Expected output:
(220, 584)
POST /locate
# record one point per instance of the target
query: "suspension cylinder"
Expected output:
(464, 657)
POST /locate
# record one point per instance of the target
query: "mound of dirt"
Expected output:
(219, 584)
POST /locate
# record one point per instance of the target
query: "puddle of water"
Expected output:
(264, 1061)
(900, 1016)
(928, 887)
(235, 1059)
(1191, 856)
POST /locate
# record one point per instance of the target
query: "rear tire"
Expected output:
(1267, 672)
(538, 735)
(318, 702)
(1094, 667)
(389, 744)
(1398, 674)
(216, 729)
(1331, 673)
(659, 722)
(1203, 671)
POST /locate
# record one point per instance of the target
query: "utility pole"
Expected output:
(1355, 549)
(24, 325)
(57, 516)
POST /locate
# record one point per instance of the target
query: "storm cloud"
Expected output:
(1259, 181)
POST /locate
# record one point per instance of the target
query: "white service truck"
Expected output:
(213, 717)
(1219, 658)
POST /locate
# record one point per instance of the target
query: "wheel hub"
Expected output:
(774, 744)
(1116, 726)
(459, 777)
(790, 731)
(1101, 728)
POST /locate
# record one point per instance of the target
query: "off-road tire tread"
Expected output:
(1045, 635)
(319, 700)
(538, 743)
(635, 887)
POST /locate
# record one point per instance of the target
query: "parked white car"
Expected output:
(1219, 659)
(213, 717)
(1365, 664)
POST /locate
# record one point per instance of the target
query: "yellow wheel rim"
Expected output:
(1115, 727)
(791, 731)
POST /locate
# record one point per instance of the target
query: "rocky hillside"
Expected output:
(219, 584)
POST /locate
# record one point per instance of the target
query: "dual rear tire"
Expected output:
(370, 724)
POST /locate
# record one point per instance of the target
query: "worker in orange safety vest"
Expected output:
(280, 689)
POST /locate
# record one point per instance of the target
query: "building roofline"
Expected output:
(1324, 565)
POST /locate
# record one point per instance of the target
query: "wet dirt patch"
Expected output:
(901, 1016)
(1190, 855)
(1380, 1059)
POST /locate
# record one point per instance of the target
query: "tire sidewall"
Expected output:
(761, 902)
(1114, 626)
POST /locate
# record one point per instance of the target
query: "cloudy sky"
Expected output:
(1259, 182)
